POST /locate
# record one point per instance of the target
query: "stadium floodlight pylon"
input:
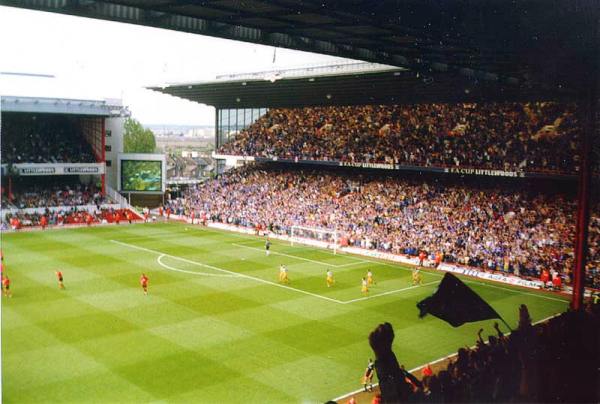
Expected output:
(315, 236)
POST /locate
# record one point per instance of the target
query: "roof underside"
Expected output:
(39, 105)
(389, 87)
(549, 44)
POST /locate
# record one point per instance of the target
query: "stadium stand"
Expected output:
(68, 216)
(40, 196)
(532, 137)
(54, 139)
(43, 201)
(516, 228)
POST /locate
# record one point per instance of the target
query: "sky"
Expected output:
(94, 59)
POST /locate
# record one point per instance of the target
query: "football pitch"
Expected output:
(216, 325)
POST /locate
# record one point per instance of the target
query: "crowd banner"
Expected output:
(27, 169)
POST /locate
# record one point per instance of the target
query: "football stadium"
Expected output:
(420, 224)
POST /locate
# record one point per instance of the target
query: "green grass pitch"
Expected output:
(216, 326)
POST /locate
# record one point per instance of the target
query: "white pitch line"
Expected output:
(434, 362)
(388, 293)
(230, 272)
(159, 260)
(287, 255)
(350, 264)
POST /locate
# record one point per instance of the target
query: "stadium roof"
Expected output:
(347, 85)
(42, 105)
(547, 43)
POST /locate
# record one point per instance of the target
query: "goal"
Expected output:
(319, 237)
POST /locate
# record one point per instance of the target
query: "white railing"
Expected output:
(118, 198)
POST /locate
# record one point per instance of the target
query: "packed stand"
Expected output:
(514, 229)
(532, 137)
(555, 361)
(42, 197)
(70, 216)
(54, 139)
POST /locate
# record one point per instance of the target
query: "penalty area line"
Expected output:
(350, 264)
(389, 292)
(288, 255)
(170, 268)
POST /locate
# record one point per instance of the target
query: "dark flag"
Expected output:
(455, 303)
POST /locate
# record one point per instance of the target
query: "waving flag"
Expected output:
(455, 303)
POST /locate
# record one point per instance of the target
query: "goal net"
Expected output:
(319, 237)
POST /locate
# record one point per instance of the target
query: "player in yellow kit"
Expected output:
(416, 277)
(283, 274)
(330, 280)
(365, 286)
(370, 280)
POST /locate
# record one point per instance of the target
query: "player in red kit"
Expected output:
(545, 277)
(557, 282)
(59, 276)
(44, 222)
(144, 283)
(422, 257)
(6, 286)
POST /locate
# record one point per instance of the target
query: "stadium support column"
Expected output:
(217, 142)
(103, 176)
(583, 213)
(590, 103)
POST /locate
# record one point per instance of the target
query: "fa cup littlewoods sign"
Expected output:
(479, 171)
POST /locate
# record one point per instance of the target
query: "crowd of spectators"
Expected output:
(55, 202)
(510, 228)
(532, 137)
(74, 215)
(43, 140)
(41, 196)
(554, 361)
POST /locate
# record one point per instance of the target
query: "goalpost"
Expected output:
(319, 237)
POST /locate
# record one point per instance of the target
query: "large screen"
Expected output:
(140, 175)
